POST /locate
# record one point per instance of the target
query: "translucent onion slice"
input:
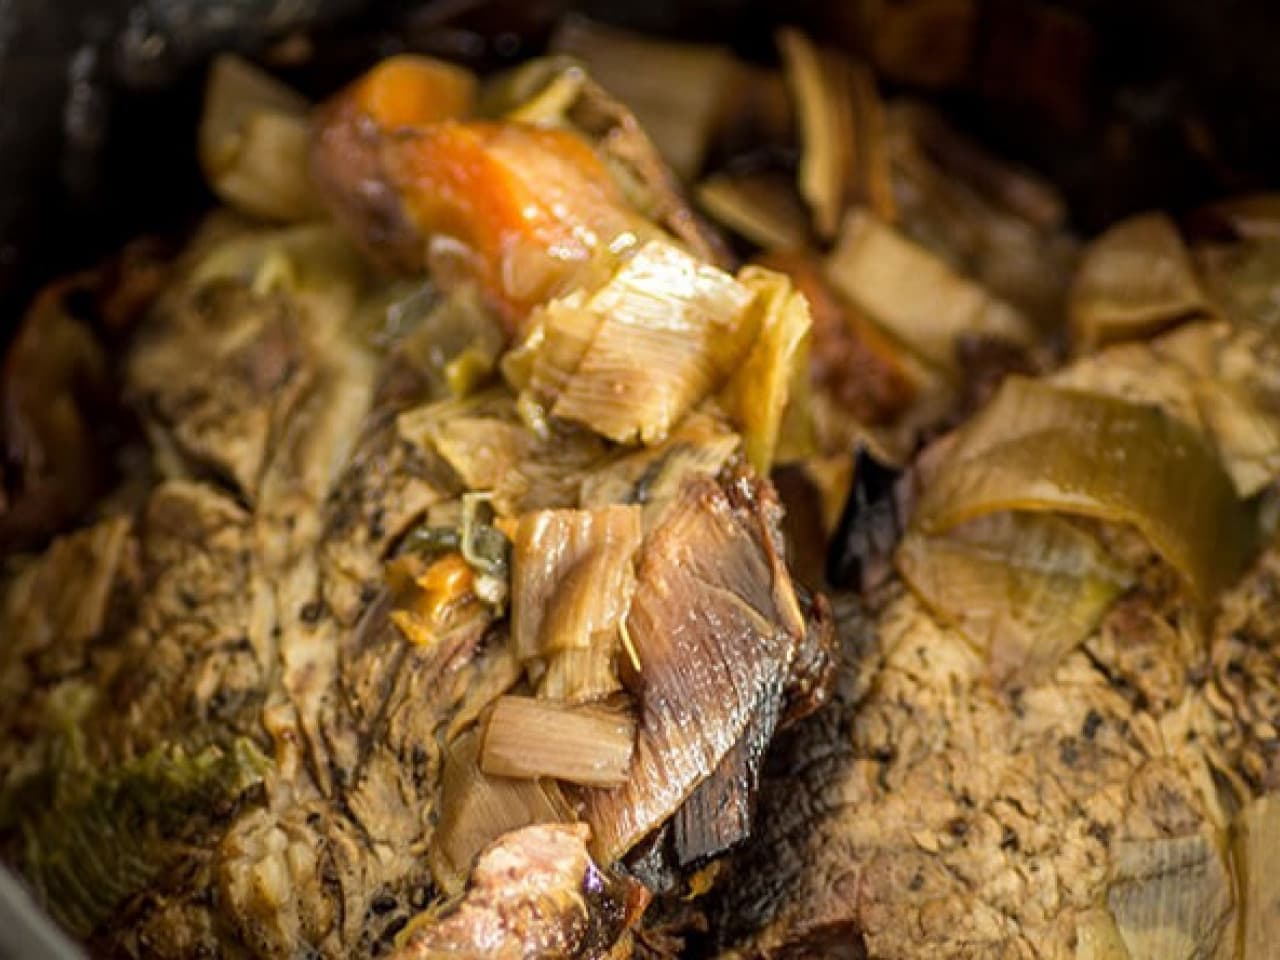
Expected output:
(1024, 588)
(253, 142)
(1038, 448)
(573, 574)
(843, 159)
(530, 738)
(915, 295)
(476, 809)
(1133, 280)
(1257, 839)
(762, 207)
(757, 394)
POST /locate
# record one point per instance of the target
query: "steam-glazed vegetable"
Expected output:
(1133, 281)
(914, 295)
(678, 91)
(528, 739)
(1044, 449)
(759, 392)
(714, 626)
(841, 121)
(1024, 588)
(634, 356)
(761, 206)
(254, 138)
(573, 576)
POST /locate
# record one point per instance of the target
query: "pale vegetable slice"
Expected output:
(916, 296)
(670, 331)
(530, 738)
(476, 809)
(1135, 279)
(762, 207)
(253, 142)
(653, 476)
(583, 675)
(1024, 588)
(1172, 898)
(1257, 843)
(676, 90)
(1038, 448)
(573, 575)
(841, 120)
(757, 394)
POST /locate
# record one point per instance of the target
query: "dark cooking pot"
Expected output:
(1166, 103)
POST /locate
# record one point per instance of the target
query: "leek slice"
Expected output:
(676, 90)
(1257, 838)
(528, 739)
(761, 206)
(843, 157)
(476, 809)
(758, 392)
(1038, 448)
(1024, 588)
(253, 142)
(915, 295)
(1133, 280)
(668, 331)
(573, 577)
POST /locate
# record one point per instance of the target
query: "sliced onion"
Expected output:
(676, 90)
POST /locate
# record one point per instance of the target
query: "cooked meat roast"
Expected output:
(425, 592)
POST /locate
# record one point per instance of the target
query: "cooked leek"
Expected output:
(1038, 448)
(762, 207)
(253, 142)
(914, 295)
(843, 159)
(1172, 897)
(1024, 588)
(1208, 376)
(476, 809)
(671, 329)
(528, 738)
(757, 394)
(653, 476)
(676, 90)
(1133, 280)
(1257, 840)
(573, 575)
(582, 675)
